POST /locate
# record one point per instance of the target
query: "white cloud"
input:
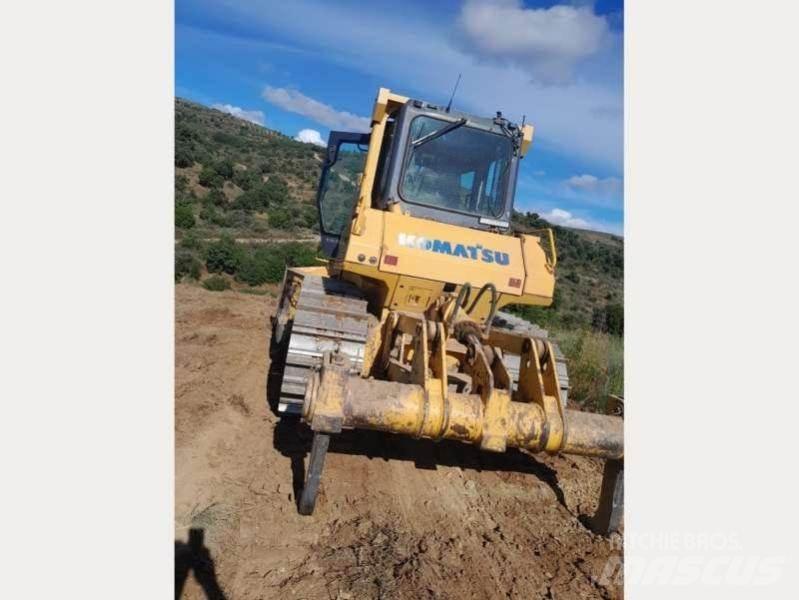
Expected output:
(296, 102)
(558, 216)
(582, 119)
(310, 136)
(609, 186)
(547, 42)
(565, 218)
(253, 116)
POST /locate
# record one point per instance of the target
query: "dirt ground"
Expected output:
(396, 517)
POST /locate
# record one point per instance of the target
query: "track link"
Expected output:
(331, 316)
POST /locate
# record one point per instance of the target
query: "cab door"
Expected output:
(339, 186)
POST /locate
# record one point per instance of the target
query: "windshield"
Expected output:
(464, 169)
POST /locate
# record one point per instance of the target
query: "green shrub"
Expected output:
(276, 191)
(183, 157)
(186, 264)
(280, 218)
(239, 219)
(614, 316)
(245, 179)
(225, 169)
(266, 264)
(252, 199)
(210, 214)
(184, 217)
(216, 283)
(190, 241)
(224, 256)
(609, 319)
(216, 197)
(297, 254)
(209, 178)
(309, 216)
(595, 363)
(181, 183)
(262, 265)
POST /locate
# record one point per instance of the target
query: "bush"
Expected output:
(609, 319)
(297, 254)
(210, 214)
(216, 197)
(595, 363)
(190, 241)
(181, 183)
(276, 191)
(183, 158)
(186, 264)
(224, 256)
(280, 218)
(209, 178)
(614, 317)
(225, 169)
(239, 219)
(184, 217)
(266, 264)
(261, 266)
(251, 200)
(245, 179)
(216, 283)
(309, 216)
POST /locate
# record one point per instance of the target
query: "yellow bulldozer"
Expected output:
(400, 330)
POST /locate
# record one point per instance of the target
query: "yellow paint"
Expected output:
(385, 104)
(412, 239)
(527, 138)
(418, 278)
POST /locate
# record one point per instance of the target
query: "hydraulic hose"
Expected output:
(494, 301)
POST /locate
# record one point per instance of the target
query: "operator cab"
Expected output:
(435, 164)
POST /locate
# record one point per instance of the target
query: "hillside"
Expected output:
(235, 177)
(240, 180)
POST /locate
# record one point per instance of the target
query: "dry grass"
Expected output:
(596, 365)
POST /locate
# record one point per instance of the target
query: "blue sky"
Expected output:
(305, 67)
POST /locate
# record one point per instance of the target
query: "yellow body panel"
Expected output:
(458, 255)
(430, 254)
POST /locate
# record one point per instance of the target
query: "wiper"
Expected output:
(438, 133)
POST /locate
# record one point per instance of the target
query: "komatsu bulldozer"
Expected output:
(400, 329)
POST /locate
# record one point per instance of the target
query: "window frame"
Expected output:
(501, 195)
(330, 241)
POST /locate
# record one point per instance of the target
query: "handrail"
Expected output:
(552, 255)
